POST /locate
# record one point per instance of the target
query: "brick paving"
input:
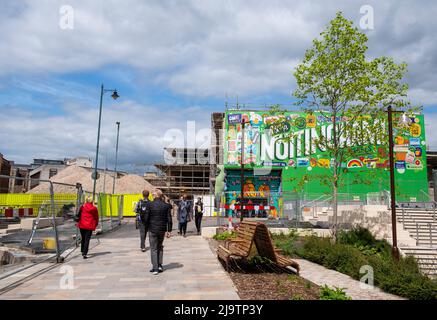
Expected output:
(321, 276)
(117, 269)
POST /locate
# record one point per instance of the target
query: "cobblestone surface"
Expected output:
(117, 269)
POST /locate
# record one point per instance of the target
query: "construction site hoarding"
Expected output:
(298, 165)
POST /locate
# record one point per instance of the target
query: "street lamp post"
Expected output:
(114, 96)
(116, 156)
(243, 123)
(395, 249)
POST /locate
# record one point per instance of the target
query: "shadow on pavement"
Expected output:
(173, 265)
(92, 255)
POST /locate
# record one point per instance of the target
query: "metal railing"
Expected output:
(59, 224)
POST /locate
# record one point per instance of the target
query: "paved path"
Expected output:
(321, 276)
(117, 269)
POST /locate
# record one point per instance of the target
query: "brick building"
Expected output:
(5, 169)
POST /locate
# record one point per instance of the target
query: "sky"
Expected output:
(173, 63)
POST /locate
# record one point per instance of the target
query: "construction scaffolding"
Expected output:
(192, 179)
(217, 137)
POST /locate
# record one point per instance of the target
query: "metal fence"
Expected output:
(36, 227)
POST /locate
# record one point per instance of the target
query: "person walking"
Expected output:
(177, 213)
(158, 219)
(198, 214)
(88, 221)
(250, 211)
(140, 210)
(184, 215)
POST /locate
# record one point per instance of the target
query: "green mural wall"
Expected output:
(303, 165)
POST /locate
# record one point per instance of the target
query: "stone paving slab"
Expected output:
(321, 276)
(117, 269)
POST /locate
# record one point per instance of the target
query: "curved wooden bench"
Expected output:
(248, 233)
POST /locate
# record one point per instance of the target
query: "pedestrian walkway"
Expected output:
(353, 288)
(117, 269)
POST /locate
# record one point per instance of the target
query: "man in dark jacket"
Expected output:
(140, 210)
(159, 221)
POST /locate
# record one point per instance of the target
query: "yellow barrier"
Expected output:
(36, 200)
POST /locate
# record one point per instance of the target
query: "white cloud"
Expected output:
(207, 48)
(26, 133)
(196, 48)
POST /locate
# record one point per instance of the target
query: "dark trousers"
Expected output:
(183, 227)
(143, 234)
(198, 220)
(156, 248)
(85, 242)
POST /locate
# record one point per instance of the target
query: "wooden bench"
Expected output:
(248, 233)
(241, 246)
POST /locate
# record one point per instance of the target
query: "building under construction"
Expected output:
(217, 136)
(184, 170)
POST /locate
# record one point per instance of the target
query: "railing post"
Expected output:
(417, 234)
(55, 227)
(430, 234)
(403, 218)
(78, 205)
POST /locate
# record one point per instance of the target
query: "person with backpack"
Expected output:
(184, 215)
(198, 214)
(88, 219)
(140, 210)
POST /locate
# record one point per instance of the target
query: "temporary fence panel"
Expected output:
(31, 202)
(129, 203)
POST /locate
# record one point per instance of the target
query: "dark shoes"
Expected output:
(85, 256)
(159, 270)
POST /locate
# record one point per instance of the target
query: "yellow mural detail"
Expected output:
(249, 189)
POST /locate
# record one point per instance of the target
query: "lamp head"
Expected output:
(115, 95)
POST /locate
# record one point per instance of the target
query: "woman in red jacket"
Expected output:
(89, 219)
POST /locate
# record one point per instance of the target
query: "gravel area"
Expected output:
(270, 285)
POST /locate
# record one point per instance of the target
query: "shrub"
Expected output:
(258, 260)
(401, 277)
(225, 235)
(285, 242)
(327, 293)
(343, 258)
(363, 240)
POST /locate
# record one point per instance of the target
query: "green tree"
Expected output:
(337, 81)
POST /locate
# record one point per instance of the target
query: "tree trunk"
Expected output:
(335, 208)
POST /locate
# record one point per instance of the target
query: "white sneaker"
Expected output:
(155, 273)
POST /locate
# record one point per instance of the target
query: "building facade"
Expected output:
(5, 169)
(277, 170)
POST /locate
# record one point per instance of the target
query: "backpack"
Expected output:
(141, 209)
